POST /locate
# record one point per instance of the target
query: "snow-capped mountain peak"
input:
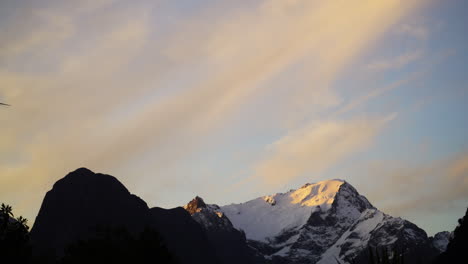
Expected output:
(267, 216)
(326, 222)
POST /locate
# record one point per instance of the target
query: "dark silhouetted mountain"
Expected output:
(81, 201)
(230, 244)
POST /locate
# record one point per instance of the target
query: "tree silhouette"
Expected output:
(14, 237)
(23, 221)
(6, 210)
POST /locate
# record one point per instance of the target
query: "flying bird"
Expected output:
(4, 104)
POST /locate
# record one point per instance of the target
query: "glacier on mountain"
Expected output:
(265, 217)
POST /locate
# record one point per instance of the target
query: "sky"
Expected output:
(232, 100)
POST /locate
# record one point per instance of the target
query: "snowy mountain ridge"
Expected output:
(267, 216)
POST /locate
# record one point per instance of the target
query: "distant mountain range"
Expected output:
(324, 222)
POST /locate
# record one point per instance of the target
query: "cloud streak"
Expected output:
(396, 62)
(315, 148)
(409, 188)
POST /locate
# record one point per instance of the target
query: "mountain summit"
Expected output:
(196, 205)
(265, 217)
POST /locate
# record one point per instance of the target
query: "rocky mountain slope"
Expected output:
(230, 244)
(441, 240)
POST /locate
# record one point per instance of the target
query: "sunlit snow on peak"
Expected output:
(267, 216)
(319, 194)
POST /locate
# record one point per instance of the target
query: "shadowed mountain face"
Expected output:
(83, 200)
(183, 235)
(230, 244)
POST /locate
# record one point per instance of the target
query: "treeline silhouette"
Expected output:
(105, 245)
(14, 236)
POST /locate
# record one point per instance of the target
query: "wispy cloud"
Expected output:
(395, 62)
(17, 39)
(376, 92)
(418, 31)
(317, 147)
(410, 188)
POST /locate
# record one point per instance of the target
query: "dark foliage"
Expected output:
(14, 237)
(457, 249)
(117, 245)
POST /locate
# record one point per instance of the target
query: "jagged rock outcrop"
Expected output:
(195, 206)
(229, 243)
(441, 240)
